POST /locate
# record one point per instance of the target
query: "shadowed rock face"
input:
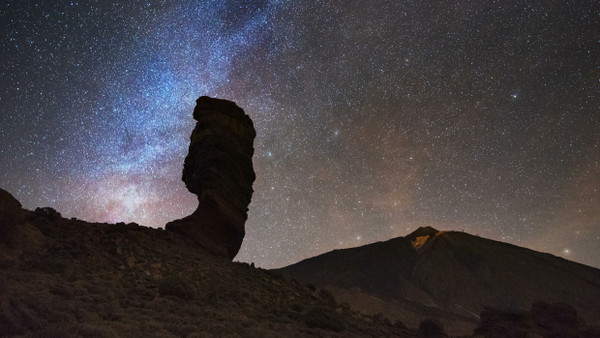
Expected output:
(10, 208)
(218, 169)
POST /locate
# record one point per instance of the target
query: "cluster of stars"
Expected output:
(373, 118)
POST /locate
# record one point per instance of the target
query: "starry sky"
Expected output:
(373, 117)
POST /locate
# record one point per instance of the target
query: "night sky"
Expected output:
(373, 117)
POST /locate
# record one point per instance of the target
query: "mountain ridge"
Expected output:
(453, 272)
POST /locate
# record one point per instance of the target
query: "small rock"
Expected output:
(131, 261)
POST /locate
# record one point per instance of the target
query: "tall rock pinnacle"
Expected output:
(218, 169)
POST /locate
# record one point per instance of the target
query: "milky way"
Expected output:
(373, 117)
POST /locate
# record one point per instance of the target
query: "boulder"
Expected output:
(16, 234)
(10, 208)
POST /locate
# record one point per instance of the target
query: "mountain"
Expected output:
(449, 275)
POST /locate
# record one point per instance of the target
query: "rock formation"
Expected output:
(16, 234)
(10, 208)
(218, 169)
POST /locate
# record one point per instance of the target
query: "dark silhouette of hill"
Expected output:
(69, 278)
(452, 276)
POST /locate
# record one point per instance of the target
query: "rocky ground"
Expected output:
(64, 277)
(69, 278)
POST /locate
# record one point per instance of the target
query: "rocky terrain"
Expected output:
(65, 278)
(452, 276)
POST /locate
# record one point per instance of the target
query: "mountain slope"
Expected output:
(449, 275)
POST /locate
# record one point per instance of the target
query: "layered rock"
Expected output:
(10, 208)
(17, 234)
(218, 169)
(10, 214)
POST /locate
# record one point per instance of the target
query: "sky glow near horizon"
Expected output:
(372, 118)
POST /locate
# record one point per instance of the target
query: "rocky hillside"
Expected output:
(63, 278)
(452, 276)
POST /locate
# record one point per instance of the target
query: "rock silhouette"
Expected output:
(10, 208)
(218, 169)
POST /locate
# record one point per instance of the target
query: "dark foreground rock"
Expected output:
(218, 169)
(68, 278)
